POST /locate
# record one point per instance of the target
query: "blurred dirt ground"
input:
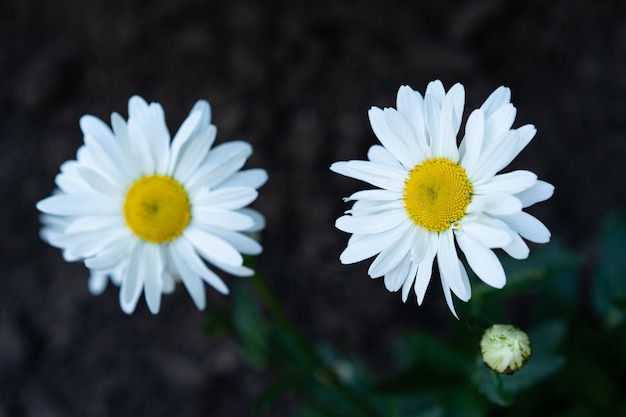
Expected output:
(295, 79)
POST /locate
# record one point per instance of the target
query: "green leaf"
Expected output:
(219, 320)
(547, 336)
(279, 387)
(490, 383)
(535, 370)
(542, 364)
(609, 286)
(250, 327)
(466, 402)
(426, 362)
(544, 263)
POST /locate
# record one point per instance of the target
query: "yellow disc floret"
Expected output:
(436, 194)
(157, 208)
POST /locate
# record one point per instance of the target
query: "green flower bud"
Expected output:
(505, 348)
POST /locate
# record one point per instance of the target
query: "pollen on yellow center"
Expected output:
(436, 194)
(157, 208)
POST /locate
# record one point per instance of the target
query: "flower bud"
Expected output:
(505, 348)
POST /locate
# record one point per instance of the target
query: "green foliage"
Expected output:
(576, 367)
(609, 284)
(543, 364)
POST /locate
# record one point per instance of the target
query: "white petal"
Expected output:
(425, 268)
(525, 134)
(132, 282)
(446, 288)
(98, 183)
(204, 108)
(94, 223)
(97, 282)
(369, 207)
(212, 248)
(482, 261)
(190, 126)
(410, 105)
(496, 204)
(225, 198)
(419, 243)
(394, 144)
(226, 219)
(80, 205)
(381, 176)
(498, 123)
(369, 245)
(465, 279)
(495, 157)
(223, 161)
(401, 129)
(120, 129)
(180, 253)
(190, 146)
(239, 271)
(390, 257)
(152, 268)
(97, 129)
(448, 262)
(432, 111)
(379, 155)
(243, 243)
(408, 282)
(517, 249)
(112, 255)
(540, 191)
(253, 178)
(98, 134)
(529, 227)
(194, 153)
(472, 143)
(436, 91)
(169, 281)
(107, 151)
(492, 233)
(448, 296)
(257, 218)
(69, 181)
(395, 278)
(371, 224)
(141, 148)
(450, 122)
(150, 120)
(375, 195)
(497, 99)
(137, 106)
(98, 161)
(198, 267)
(510, 183)
(86, 244)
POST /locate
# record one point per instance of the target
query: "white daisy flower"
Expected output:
(146, 212)
(432, 193)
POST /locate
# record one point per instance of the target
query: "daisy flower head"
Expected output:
(146, 212)
(433, 195)
(505, 348)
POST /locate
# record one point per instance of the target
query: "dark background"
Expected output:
(295, 79)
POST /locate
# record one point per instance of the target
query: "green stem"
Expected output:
(306, 349)
(280, 316)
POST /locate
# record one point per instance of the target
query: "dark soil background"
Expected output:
(295, 79)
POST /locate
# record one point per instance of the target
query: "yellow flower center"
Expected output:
(157, 208)
(436, 194)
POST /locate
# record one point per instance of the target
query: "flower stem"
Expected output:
(325, 373)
